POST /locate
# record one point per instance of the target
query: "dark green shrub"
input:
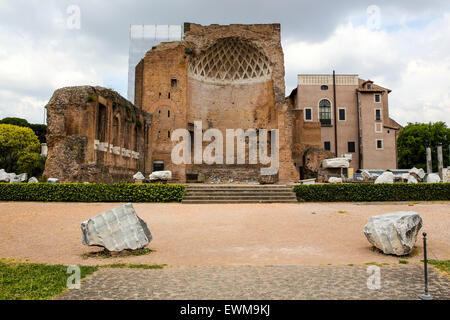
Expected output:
(372, 192)
(78, 192)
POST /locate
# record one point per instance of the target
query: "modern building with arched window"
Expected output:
(354, 118)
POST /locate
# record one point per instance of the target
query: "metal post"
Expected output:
(440, 161)
(429, 161)
(426, 295)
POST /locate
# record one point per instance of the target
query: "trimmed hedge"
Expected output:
(79, 192)
(372, 192)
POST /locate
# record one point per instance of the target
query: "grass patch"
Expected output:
(373, 264)
(342, 211)
(105, 254)
(350, 264)
(29, 281)
(313, 212)
(403, 262)
(443, 265)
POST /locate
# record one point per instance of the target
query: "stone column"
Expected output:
(44, 149)
(440, 161)
(429, 161)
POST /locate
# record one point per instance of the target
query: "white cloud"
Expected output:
(38, 54)
(32, 68)
(412, 62)
(16, 105)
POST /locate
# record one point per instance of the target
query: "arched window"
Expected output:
(101, 123)
(116, 131)
(325, 112)
(324, 87)
(135, 138)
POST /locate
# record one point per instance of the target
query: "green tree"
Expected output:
(15, 121)
(39, 129)
(415, 138)
(19, 149)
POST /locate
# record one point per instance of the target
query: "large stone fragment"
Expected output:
(116, 230)
(139, 176)
(394, 233)
(446, 175)
(4, 177)
(23, 177)
(268, 179)
(433, 178)
(33, 180)
(412, 179)
(386, 177)
(366, 175)
(336, 163)
(419, 174)
(161, 175)
(334, 180)
(53, 180)
(13, 178)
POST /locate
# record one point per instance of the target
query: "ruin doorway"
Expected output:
(158, 166)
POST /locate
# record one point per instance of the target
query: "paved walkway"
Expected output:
(259, 283)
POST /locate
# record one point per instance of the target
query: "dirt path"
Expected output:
(188, 235)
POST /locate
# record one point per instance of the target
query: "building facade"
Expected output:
(227, 78)
(143, 37)
(354, 118)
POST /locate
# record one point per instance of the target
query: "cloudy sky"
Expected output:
(401, 45)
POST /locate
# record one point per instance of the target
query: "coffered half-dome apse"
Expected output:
(230, 85)
(231, 61)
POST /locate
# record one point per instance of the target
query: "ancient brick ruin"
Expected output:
(226, 77)
(94, 135)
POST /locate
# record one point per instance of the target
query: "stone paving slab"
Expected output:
(403, 282)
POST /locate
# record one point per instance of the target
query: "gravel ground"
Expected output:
(220, 235)
(259, 283)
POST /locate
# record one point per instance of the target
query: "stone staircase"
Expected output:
(239, 194)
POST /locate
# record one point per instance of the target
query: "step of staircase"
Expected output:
(239, 194)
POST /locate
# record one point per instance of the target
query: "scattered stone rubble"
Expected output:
(334, 180)
(412, 179)
(419, 174)
(12, 177)
(433, 178)
(386, 177)
(446, 175)
(33, 180)
(139, 177)
(4, 177)
(161, 176)
(336, 163)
